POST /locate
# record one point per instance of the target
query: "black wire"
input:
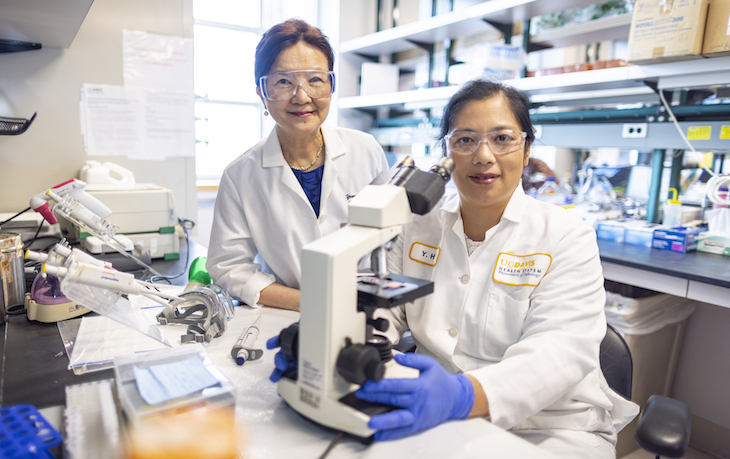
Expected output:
(332, 444)
(14, 216)
(186, 226)
(27, 244)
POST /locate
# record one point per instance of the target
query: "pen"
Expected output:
(243, 349)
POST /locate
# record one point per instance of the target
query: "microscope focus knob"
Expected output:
(357, 363)
(289, 341)
(379, 324)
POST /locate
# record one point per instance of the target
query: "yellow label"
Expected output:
(520, 270)
(699, 132)
(725, 130)
(425, 254)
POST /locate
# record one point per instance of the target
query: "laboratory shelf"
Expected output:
(468, 21)
(612, 28)
(659, 136)
(612, 83)
(52, 24)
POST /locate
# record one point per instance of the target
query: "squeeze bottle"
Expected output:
(672, 211)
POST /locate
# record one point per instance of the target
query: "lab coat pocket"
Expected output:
(503, 325)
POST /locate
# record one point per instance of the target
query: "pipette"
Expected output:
(243, 350)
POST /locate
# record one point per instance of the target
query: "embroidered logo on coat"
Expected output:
(422, 253)
(521, 270)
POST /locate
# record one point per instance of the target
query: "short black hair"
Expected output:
(481, 89)
(285, 35)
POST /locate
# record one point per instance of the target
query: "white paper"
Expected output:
(167, 381)
(113, 120)
(157, 61)
(137, 123)
(169, 122)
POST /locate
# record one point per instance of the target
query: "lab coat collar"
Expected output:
(273, 157)
(513, 212)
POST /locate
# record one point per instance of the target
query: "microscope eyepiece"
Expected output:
(444, 168)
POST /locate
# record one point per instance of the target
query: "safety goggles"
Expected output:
(284, 85)
(500, 142)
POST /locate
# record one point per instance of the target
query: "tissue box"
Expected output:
(640, 234)
(714, 243)
(679, 239)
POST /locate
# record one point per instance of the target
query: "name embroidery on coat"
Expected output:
(519, 270)
(422, 253)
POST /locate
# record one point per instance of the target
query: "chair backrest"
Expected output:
(616, 362)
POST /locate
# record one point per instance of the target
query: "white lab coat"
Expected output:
(523, 315)
(262, 217)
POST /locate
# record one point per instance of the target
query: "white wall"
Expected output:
(48, 81)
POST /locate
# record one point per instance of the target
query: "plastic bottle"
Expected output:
(565, 190)
(548, 192)
(198, 274)
(672, 211)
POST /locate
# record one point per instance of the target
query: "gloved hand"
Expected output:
(432, 398)
(281, 361)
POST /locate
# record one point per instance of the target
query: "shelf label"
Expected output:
(725, 130)
(699, 132)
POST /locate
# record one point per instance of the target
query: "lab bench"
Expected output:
(697, 276)
(34, 371)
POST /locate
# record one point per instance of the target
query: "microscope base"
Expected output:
(320, 409)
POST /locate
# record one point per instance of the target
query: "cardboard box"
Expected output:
(714, 243)
(717, 30)
(667, 30)
(679, 239)
(378, 78)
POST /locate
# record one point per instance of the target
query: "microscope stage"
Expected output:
(391, 291)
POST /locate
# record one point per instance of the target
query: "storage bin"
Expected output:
(653, 326)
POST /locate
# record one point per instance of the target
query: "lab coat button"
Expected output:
(464, 279)
(322, 218)
(453, 331)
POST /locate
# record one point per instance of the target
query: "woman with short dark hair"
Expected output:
(513, 328)
(292, 187)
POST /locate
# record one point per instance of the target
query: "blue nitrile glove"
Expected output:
(432, 398)
(281, 361)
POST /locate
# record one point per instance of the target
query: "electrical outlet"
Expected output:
(635, 131)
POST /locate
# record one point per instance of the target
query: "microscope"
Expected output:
(334, 343)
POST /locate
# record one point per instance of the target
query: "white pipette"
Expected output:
(243, 349)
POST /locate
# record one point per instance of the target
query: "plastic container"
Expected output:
(553, 193)
(222, 394)
(672, 211)
(25, 433)
(106, 175)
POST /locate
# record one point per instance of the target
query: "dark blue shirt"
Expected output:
(311, 182)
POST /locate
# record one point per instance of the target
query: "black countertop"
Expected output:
(33, 362)
(696, 266)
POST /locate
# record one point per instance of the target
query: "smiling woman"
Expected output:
(513, 327)
(291, 188)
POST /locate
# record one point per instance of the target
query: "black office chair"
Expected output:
(664, 426)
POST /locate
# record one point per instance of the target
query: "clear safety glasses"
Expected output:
(284, 85)
(500, 142)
